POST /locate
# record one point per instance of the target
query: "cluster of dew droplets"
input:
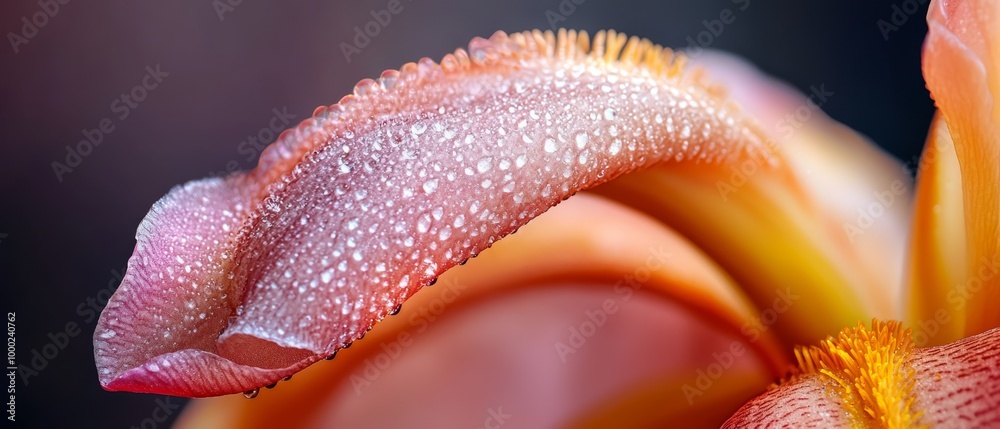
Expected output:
(409, 183)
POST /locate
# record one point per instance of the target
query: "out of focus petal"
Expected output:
(830, 224)
(487, 336)
(962, 68)
(663, 403)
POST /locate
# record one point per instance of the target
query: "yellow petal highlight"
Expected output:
(962, 68)
(936, 270)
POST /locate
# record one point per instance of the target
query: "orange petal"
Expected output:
(663, 403)
(962, 67)
(936, 266)
(830, 224)
(630, 261)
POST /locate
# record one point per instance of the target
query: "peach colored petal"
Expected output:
(962, 68)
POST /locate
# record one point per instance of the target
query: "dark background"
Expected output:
(61, 241)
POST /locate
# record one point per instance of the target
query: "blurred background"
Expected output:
(223, 69)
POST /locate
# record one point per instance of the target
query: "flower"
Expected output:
(735, 240)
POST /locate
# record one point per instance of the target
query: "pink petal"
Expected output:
(362, 205)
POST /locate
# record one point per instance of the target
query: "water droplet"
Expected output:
(550, 145)
(520, 161)
(430, 186)
(616, 146)
(445, 233)
(613, 130)
(250, 394)
(424, 223)
(418, 128)
(581, 140)
(484, 164)
(327, 275)
(609, 114)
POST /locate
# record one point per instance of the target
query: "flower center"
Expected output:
(868, 367)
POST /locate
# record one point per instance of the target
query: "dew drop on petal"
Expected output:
(550, 145)
(430, 186)
(616, 146)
